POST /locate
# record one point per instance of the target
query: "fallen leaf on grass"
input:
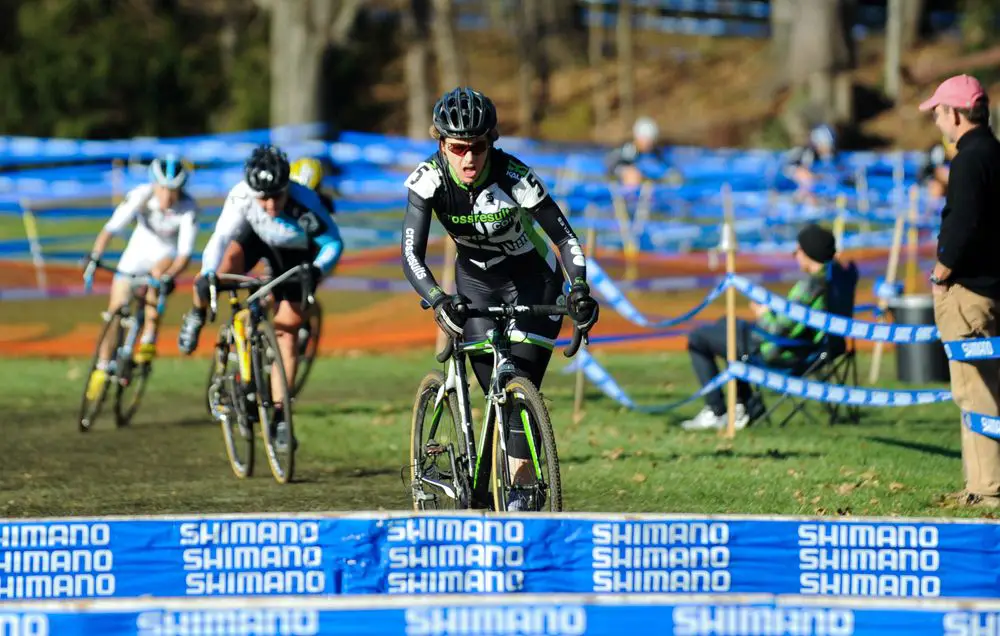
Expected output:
(613, 454)
(638, 478)
(845, 471)
(896, 487)
(621, 493)
(873, 502)
(846, 488)
(844, 512)
(815, 500)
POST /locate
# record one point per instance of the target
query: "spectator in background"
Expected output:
(933, 173)
(815, 251)
(643, 158)
(966, 278)
(804, 162)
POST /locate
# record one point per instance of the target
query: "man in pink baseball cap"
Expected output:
(957, 96)
(965, 282)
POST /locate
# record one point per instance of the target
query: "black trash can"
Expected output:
(920, 363)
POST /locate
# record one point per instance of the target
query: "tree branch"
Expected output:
(341, 27)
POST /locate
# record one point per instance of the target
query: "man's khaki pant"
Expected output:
(975, 386)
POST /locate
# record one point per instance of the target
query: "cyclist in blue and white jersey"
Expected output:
(267, 216)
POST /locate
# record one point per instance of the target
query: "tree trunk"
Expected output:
(912, 12)
(563, 45)
(526, 37)
(595, 59)
(782, 17)
(445, 49)
(414, 22)
(823, 47)
(893, 48)
(626, 67)
(301, 31)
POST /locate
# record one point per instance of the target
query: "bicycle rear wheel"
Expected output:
(437, 449)
(279, 436)
(90, 406)
(544, 490)
(227, 405)
(307, 350)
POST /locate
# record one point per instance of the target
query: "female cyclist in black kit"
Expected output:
(489, 202)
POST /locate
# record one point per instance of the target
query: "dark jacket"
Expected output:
(970, 220)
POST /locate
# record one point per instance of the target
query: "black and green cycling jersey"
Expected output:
(492, 221)
(810, 292)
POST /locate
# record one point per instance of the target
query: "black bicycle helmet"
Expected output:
(267, 170)
(464, 114)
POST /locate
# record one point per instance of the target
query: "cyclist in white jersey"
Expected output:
(166, 225)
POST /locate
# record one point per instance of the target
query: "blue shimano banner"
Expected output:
(566, 615)
(433, 554)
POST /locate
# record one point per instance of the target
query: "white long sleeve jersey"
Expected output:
(175, 226)
(304, 223)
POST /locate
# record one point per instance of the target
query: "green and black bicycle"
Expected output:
(122, 328)
(448, 469)
(247, 364)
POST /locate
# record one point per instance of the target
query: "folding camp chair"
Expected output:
(833, 359)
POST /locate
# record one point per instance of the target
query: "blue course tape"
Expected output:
(603, 284)
(833, 324)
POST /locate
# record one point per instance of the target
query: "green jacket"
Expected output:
(811, 292)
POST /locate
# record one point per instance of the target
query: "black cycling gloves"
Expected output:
(581, 306)
(450, 314)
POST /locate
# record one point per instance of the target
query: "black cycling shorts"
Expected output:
(512, 281)
(279, 261)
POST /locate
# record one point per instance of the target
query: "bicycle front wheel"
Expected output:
(536, 486)
(93, 396)
(132, 376)
(227, 405)
(275, 428)
(437, 449)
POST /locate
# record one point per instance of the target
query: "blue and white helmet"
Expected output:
(822, 136)
(168, 171)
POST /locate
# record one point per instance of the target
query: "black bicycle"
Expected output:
(448, 467)
(123, 327)
(246, 359)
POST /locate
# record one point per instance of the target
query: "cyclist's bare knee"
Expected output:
(288, 318)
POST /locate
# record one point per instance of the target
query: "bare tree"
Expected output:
(301, 32)
(415, 14)
(595, 59)
(820, 49)
(559, 33)
(445, 46)
(525, 35)
(626, 65)
(912, 11)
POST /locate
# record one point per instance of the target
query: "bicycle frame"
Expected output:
(255, 304)
(135, 319)
(456, 381)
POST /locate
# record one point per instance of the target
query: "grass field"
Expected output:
(353, 426)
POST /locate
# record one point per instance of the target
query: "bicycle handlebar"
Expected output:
(261, 287)
(505, 310)
(135, 280)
